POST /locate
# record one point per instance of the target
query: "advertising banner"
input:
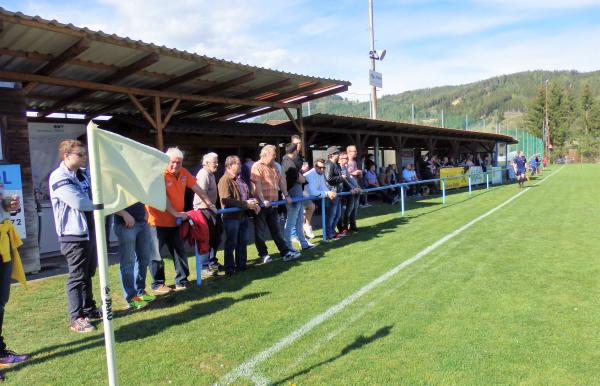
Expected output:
(496, 175)
(454, 182)
(10, 177)
(476, 174)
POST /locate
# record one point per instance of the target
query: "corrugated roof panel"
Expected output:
(100, 52)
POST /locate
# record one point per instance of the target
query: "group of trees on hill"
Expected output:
(573, 118)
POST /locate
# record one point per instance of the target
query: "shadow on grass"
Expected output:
(358, 343)
(136, 330)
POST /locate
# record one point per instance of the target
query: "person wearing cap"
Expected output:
(292, 166)
(7, 357)
(335, 182)
(268, 182)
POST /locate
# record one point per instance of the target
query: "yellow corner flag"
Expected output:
(130, 171)
(123, 172)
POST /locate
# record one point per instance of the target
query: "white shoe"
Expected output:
(308, 232)
(295, 240)
(266, 259)
(291, 255)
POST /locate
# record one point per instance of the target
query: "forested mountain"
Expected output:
(513, 101)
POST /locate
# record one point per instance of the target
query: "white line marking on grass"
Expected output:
(246, 369)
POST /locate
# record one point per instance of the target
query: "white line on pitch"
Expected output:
(246, 369)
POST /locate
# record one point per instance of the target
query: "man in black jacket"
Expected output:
(336, 182)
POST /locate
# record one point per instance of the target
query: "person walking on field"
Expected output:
(519, 166)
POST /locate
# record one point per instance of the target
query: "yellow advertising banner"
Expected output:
(453, 183)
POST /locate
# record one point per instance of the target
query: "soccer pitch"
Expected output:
(500, 287)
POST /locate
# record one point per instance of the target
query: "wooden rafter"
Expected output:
(247, 94)
(110, 79)
(188, 76)
(142, 110)
(279, 97)
(18, 76)
(57, 62)
(228, 84)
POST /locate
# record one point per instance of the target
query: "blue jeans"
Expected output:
(236, 232)
(293, 225)
(136, 246)
(333, 210)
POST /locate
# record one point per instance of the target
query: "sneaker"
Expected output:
(215, 267)
(295, 240)
(339, 235)
(344, 232)
(183, 286)
(82, 325)
(147, 297)
(9, 357)
(266, 259)
(308, 232)
(95, 315)
(308, 246)
(291, 255)
(162, 289)
(137, 302)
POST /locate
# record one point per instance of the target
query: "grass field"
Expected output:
(511, 299)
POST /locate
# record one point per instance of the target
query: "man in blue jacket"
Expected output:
(70, 193)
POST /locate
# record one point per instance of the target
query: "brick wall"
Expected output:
(16, 139)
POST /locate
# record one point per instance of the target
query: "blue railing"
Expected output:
(402, 186)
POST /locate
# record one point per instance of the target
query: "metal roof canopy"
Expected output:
(65, 68)
(326, 129)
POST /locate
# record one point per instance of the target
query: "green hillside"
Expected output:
(507, 101)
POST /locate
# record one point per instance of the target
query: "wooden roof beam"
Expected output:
(248, 94)
(57, 62)
(224, 112)
(23, 77)
(228, 84)
(191, 75)
(110, 79)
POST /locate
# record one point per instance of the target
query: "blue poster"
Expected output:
(10, 177)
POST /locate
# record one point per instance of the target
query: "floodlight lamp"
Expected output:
(382, 55)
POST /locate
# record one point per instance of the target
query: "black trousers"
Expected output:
(265, 222)
(81, 262)
(5, 272)
(168, 236)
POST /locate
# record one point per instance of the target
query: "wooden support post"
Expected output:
(159, 124)
(171, 112)
(302, 130)
(140, 107)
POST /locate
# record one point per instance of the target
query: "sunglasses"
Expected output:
(320, 167)
(79, 154)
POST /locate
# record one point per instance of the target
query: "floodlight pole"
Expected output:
(546, 129)
(372, 56)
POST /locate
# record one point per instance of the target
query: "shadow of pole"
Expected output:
(358, 343)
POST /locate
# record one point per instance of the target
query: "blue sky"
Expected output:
(429, 43)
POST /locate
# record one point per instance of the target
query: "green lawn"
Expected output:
(514, 299)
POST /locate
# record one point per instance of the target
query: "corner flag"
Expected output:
(123, 172)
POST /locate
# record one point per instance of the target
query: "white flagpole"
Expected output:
(99, 219)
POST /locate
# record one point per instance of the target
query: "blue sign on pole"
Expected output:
(10, 177)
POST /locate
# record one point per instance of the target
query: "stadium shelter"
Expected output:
(54, 77)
